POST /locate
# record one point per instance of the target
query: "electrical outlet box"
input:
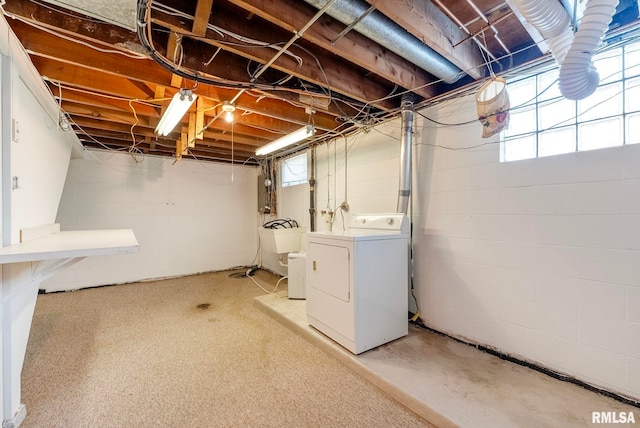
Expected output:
(263, 195)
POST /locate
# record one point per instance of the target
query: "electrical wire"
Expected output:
(281, 223)
(144, 34)
(64, 12)
(363, 117)
(47, 29)
(264, 289)
(248, 42)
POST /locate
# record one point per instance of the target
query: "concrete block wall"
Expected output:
(188, 217)
(372, 176)
(373, 161)
(537, 258)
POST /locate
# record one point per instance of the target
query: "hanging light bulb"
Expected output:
(228, 108)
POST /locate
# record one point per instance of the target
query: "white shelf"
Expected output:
(71, 244)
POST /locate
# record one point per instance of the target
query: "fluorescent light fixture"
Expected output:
(299, 135)
(178, 106)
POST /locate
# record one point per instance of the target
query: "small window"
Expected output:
(294, 170)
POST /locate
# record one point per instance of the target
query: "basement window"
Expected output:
(544, 123)
(294, 170)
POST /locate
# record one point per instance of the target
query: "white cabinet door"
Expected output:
(330, 269)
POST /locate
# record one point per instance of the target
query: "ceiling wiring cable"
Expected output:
(68, 87)
(526, 104)
(90, 152)
(47, 29)
(278, 82)
(366, 115)
(259, 95)
(486, 143)
(198, 77)
(249, 42)
(561, 123)
(215, 54)
(135, 115)
(64, 12)
(144, 32)
(178, 51)
(552, 127)
(174, 12)
(92, 139)
(472, 121)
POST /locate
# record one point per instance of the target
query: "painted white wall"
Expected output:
(372, 176)
(36, 152)
(188, 216)
(373, 162)
(538, 258)
(39, 168)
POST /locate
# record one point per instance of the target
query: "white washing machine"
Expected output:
(357, 281)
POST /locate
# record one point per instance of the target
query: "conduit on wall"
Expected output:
(312, 191)
(573, 53)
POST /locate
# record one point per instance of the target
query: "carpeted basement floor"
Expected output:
(187, 352)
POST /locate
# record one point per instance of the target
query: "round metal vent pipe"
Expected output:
(387, 33)
(404, 192)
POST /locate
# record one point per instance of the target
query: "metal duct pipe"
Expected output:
(387, 33)
(312, 191)
(578, 78)
(404, 191)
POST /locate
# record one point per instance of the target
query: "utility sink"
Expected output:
(281, 240)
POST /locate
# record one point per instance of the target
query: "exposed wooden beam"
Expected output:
(122, 131)
(98, 101)
(166, 149)
(335, 74)
(200, 118)
(203, 10)
(103, 33)
(74, 24)
(115, 85)
(43, 44)
(292, 15)
(75, 109)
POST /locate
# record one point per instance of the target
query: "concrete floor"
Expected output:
(452, 384)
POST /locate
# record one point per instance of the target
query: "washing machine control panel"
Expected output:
(389, 222)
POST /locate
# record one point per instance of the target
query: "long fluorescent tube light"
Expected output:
(178, 106)
(299, 135)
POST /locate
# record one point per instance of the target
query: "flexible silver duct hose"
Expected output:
(578, 78)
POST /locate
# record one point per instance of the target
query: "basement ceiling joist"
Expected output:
(331, 75)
